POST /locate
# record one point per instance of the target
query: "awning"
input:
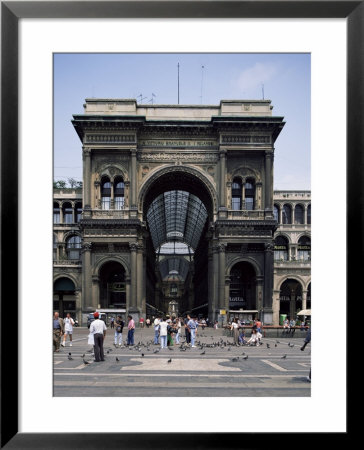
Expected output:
(304, 312)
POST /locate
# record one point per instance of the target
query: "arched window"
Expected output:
(236, 190)
(105, 193)
(309, 215)
(119, 197)
(280, 248)
(276, 213)
(73, 247)
(249, 194)
(287, 214)
(304, 248)
(67, 213)
(299, 214)
(78, 212)
(56, 213)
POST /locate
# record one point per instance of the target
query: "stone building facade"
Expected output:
(292, 253)
(292, 258)
(173, 190)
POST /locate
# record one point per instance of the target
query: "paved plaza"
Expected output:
(215, 368)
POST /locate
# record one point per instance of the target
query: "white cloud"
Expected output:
(256, 75)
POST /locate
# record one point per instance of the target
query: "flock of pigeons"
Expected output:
(183, 348)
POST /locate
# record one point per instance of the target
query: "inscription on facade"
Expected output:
(176, 143)
(193, 157)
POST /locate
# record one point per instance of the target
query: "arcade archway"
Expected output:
(177, 207)
(112, 285)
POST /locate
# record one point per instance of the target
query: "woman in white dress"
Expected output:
(68, 329)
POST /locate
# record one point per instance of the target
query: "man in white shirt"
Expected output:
(163, 331)
(156, 330)
(98, 329)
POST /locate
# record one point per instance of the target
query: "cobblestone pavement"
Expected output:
(209, 370)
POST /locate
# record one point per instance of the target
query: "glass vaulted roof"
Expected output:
(176, 216)
(176, 220)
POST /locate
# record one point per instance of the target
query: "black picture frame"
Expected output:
(11, 12)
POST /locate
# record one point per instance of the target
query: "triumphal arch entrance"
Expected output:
(178, 207)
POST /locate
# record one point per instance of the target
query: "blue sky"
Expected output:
(204, 79)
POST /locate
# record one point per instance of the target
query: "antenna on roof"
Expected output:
(263, 90)
(202, 68)
(141, 97)
(152, 100)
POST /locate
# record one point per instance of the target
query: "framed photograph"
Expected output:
(32, 32)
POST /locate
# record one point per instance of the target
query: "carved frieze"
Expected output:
(245, 139)
(110, 138)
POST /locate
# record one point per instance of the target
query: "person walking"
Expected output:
(112, 320)
(118, 337)
(235, 329)
(58, 330)
(131, 329)
(178, 330)
(306, 341)
(163, 331)
(292, 324)
(98, 329)
(187, 331)
(68, 329)
(191, 325)
(141, 322)
(156, 330)
(147, 322)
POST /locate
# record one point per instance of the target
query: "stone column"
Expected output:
(61, 213)
(86, 180)
(62, 251)
(133, 275)
(222, 181)
(276, 306)
(97, 185)
(127, 293)
(215, 281)
(304, 299)
(73, 212)
(259, 295)
(210, 283)
(96, 291)
(243, 195)
(268, 284)
(140, 301)
(126, 194)
(222, 264)
(133, 179)
(89, 303)
(268, 180)
(258, 196)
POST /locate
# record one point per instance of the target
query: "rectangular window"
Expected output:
(56, 216)
(74, 254)
(236, 203)
(119, 202)
(249, 203)
(68, 217)
(105, 204)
